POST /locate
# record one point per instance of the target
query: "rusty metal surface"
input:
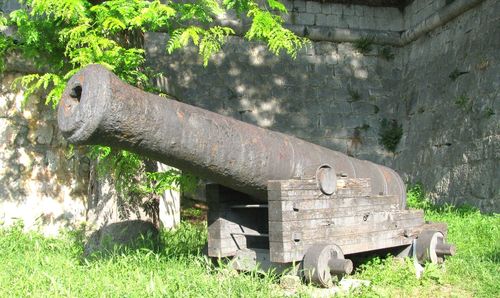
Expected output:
(98, 108)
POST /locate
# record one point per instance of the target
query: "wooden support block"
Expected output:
(300, 215)
(231, 229)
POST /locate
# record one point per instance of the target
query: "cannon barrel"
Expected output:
(98, 108)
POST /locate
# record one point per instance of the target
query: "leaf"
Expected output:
(181, 37)
(212, 41)
(275, 4)
(113, 24)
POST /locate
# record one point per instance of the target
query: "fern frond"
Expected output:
(269, 28)
(67, 10)
(33, 82)
(113, 24)
(275, 4)
(181, 37)
(212, 41)
(153, 17)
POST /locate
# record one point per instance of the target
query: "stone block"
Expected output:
(299, 6)
(348, 10)
(326, 8)
(325, 20)
(305, 19)
(394, 24)
(363, 108)
(44, 134)
(341, 106)
(336, 9)
(313, 7)
(359, 10)
(324, 48)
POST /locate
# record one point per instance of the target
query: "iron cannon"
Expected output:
(275, 199)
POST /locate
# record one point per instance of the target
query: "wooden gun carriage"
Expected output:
(275, 200)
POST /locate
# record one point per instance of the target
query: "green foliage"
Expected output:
(476, 237)
(354, 94)
(268, 27)
(464, 102)
(131, 176)
(364, 45)
(386, 53)
(159, 182)
(208, 41)
(488, 112)
(5, 42)
(62, 36)
(390, 134)
(35, 266)
(416, 198)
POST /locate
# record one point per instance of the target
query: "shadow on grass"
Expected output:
(136, 237)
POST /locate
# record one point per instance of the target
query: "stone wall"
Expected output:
(47, 185)
(337, 97)
(344, 16)
(41, 183)
(418, 10)
(442, 88)
(450, 106)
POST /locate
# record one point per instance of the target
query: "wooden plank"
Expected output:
(257, 259)
(353, 187)
(328, 213)
(291, 184)
(324, 203)
(435, 226)
(222, 228)
(278, 255)
(291, 251)
(308, 189)
(221, 247)
(332, 232)
(305, 210)
(368, 218)
(374, 245)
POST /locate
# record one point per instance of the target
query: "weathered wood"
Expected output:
(434, 226)
(342, 221)
(290, 251)
(325, 203)
(229, 227)
(314, 209)
(308, 189)
(223, 228)
(334, 232)
(301, 215)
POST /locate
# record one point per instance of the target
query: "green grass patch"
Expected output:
(34, 266)
(473, 272)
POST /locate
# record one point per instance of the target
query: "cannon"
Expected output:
(274, 200)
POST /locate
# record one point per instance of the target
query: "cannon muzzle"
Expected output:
(98, 108)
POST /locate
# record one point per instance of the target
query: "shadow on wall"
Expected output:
(440, 89)
(41, 181)
(330, 95)
(34, 160)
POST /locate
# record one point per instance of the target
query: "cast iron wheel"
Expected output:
(430, 247)
(325, 263)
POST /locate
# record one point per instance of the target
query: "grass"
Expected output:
(34, 266)
(473, 272)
